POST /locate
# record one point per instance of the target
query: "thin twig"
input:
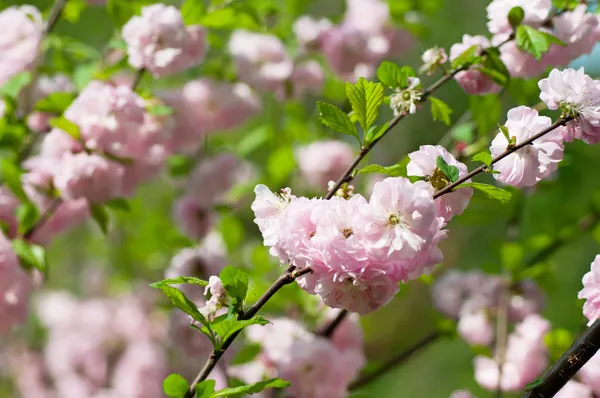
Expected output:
(396, 360)
(285, 279)
(43, 219)
(511, 149)
(330, 327)
(582, 350)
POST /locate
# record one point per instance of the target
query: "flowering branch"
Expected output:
(582, 350)
(287, 278)
(563, 120)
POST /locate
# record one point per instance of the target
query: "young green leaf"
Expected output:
(252, 388)
(55, 103)
(120, 204)
(66, 125)
(179, 300)
(31, 256)
(389, 74)
(11, 176)
(205, 388)
(495, 68)
(365, 97)
(235, 281)
(13, 87)
(100, 215)
(192, 11)
(451, 172)
(175, 386)
(180, 165)
(27, 215)
(535, 42)
(515, 16)
(333, 117)
(180, 280)
(405, 73)
(397, 170)
(227, 327)
(491, 191)
(160, 110)
(469, 57)
(440, 110)
(565, 4)
(375, 132)
(483, 157)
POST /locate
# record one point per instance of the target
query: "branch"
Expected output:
(288, 277)
(448, 188)
(395, 361)
(43, 219)
(328, 329)
(582, 350)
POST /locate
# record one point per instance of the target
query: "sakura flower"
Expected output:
(218, 296)
(15, 288)
(307, 77)
(309, 31)
(473, 81)
(576, 29)
(575, 389)
(423, 164)
(432, 58)
(476, 328)
(159, 41)
(405, 100)
(20, 40)
(535, 13)
(528, 165)
(589, 374)
(261, 60)
(591, 292)
(323, 161)
(578, 95)
(268, 209)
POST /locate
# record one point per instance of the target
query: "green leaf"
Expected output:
(565, 4)
(192, 11)
(73, 9)
(440, 110)
(494, 67)
(27, 215)
(365, 97)
(397, 170)
(485, 111)
(467, 58)
(100, 215)
(252, 388)
(175, 386)
(491, 191)
(120, 204)
(67, 126)
(55, 103)
(180, 280)
(179, 300)
(236, 282)
(405, 73)
(515, 16)
(227, 327)
(534, 41)
(451, 172)
(246, 354)
(483, 157)
(11, 176)
(389, 74)
(180, 165)
(31, 255)
(160, 110)
(13, 87)
(375, 132)
(205, 388)
(512, 254)
(333, 117)
(224, 18)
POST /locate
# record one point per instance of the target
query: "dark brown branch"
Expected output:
(395, 361)
(285, 279)
(448, 188)
(582, 350)
(328, 329)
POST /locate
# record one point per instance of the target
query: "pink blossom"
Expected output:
(518, 62)
(369, 16)
(476, 328)
(423, 164)
(591, 292)
(472, 80)
(323, 161)
(8, 208)
(309, 31)
(159, 41)
(535, 13)
(89, 176)
(261, 60)
(192, 219)
(15, 288)
(268, 209)
(574, 389)
(528, 165)
(139, 371)
(20, 40)
(307, 77)
(432, 58)
(56, 144)
(575, 28)
(579, 95)
(462, 394)
(589, 374)
(297, 228)
(205, 106)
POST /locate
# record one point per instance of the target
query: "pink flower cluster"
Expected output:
(310, 362)
(322, 161)
(355, 47)
(358, 250)
(591, 292)
(526, 357)
(101, 348)
(262, 61)
(46, 85)
(473, 297)
(159, 42)
(21, 38)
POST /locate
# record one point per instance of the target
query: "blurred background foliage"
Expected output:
(141, 242)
